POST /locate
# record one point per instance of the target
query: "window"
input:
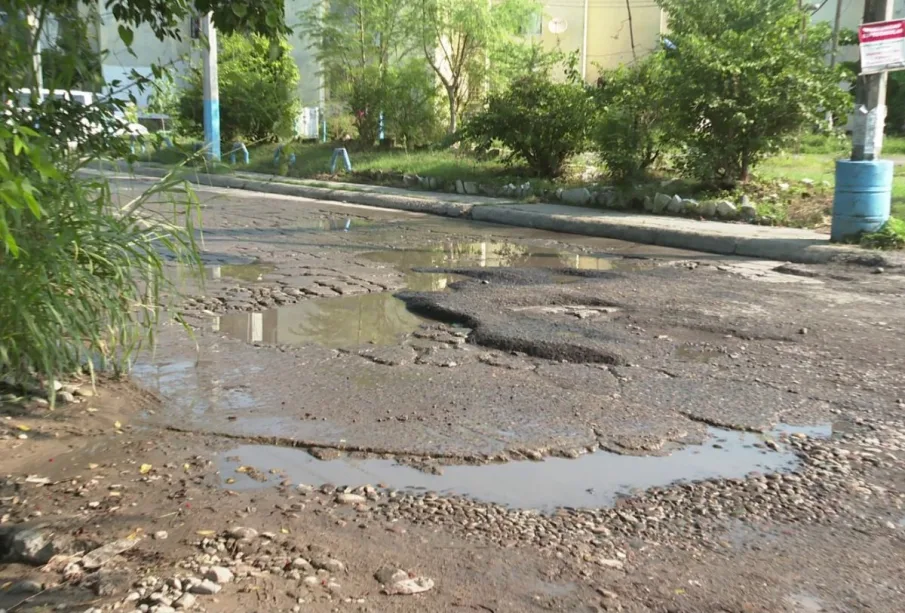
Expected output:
(535, 25)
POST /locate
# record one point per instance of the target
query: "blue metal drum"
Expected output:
(863, 197)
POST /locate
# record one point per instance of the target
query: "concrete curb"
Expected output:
(387, 201)
(802, 250)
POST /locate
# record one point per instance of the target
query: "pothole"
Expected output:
(593, 480)
(348, 321)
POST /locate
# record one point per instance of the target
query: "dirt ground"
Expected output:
(387, 412)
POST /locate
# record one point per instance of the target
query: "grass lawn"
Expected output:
(813, 158)
(821, 167)
(313, 162)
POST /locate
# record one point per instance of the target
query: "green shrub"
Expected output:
(890, 236)
(412, 108)
(258, 90)
(541, 122)
(81, 270)
(746, 76)
(80, 277)
(341, 126)
(635, 121)
(367, 96)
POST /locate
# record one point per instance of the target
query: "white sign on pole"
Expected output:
(882, 46)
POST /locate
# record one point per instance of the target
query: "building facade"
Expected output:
(604, 33)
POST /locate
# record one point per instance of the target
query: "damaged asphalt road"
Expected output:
(433, 415)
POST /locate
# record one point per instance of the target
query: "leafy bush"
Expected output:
(367, 96)
(412, 106)
(895, 103)
(746, 76)
(890, 236)
(80, 272)
(165, 99)
(543, 123)
(258, 89)
(341, 126)
(636, 120)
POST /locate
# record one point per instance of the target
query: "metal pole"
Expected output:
(211, 90)
(870, 96)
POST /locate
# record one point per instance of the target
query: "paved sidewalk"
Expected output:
(785, 244)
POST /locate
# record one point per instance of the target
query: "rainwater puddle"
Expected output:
(348, 321)
(500, 255)
(697, 354)
(183, 277)
(593, 480)
(241, 272)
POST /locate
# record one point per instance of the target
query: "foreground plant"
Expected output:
(81, 272)
(890, 236)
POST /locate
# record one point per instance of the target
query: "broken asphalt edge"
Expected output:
(797, 250)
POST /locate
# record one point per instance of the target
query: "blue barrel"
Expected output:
(863, 197)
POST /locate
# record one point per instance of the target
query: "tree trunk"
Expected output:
(746, 168)
(453, 110)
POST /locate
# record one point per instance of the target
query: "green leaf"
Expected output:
(126, 35)
(18, 145)
(240, 10)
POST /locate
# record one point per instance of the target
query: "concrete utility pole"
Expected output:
(211, 90)
(863, 195)
(837, 25)
(870, 96)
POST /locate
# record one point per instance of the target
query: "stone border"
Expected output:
(613, 225)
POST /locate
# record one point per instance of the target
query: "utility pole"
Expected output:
(837, 25)
(863, 195)
(211, 90)
(870, 96)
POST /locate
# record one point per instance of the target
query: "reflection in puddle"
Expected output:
(378, 319)
(592, 480)
(182, 277)
(704, 355)
(500, 255)
(241, 272)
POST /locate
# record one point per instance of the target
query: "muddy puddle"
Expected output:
(501, 255)
(348, 321)
(593, 480)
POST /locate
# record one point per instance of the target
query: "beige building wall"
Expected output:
(599, 31)
(310, 83)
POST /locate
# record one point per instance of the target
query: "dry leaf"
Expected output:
(243, 469)
(91, 410)
(284, 530)
(117, 425)
(186, 467)
(93, 466)
(205, 533)
(230, 481)
(145, 469)
(23, 428)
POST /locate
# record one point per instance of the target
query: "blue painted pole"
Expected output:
(236, 148)
(211, 90)
(382, 135)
